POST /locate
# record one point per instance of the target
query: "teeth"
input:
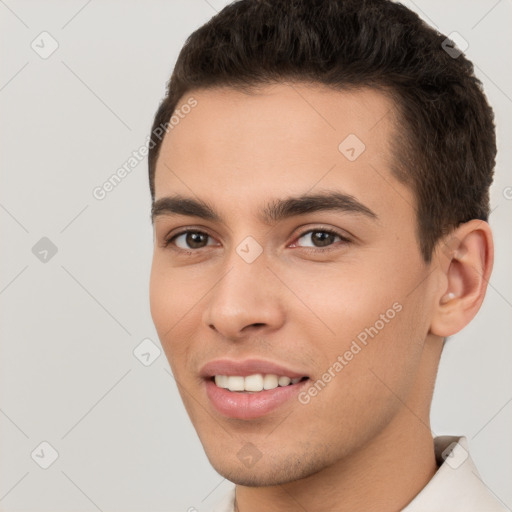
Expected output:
(253, 383)
(221, 381)
(235, 383)
(284, 381)
(270, 381)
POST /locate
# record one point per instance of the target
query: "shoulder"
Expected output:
(457, 486)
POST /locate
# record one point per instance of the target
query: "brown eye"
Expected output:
(187, 240)
(321, 237)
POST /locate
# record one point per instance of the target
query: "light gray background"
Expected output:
(69, 326)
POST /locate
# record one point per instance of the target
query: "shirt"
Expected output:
(455, 487)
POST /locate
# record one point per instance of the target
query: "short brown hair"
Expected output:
(448, 151)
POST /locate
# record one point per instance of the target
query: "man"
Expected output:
(319, 173)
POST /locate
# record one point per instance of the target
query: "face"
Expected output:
(269, 285)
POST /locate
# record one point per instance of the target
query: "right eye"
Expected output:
(190, 239)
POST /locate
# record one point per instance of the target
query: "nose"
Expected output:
(246, 300)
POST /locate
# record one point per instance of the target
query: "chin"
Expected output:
(265, 473)
(261, 478)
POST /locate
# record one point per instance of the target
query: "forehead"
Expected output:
(287, 138)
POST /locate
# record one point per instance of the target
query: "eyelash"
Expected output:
(344, 239)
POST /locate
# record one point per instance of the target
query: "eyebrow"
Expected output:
(274, 211)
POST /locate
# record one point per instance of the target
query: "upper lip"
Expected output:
(247, 367)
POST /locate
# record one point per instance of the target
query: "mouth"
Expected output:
(255, 383)
(250, 389)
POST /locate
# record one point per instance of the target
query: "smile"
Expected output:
(250, 388)
(254, 383)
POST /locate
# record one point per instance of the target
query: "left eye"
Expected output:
(321, 237)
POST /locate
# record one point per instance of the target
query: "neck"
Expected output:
(384, 475)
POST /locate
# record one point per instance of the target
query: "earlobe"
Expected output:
(467, 266)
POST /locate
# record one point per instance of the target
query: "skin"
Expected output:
(364, 442)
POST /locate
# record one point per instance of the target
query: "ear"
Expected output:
(466, 258)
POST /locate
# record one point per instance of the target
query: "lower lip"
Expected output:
(248, 406)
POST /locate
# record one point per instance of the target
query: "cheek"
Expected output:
(363, 291)
(160, 298)
(366, 314)
(348, 300)
(168, 305)
(372, 379)
(171, 294)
